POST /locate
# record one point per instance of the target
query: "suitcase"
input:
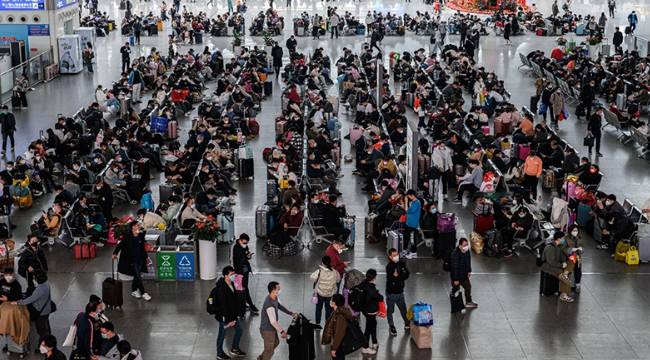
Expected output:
(522, 151)
(24, 202)
(349, 223)
(112, 290)
(268, 88)
(279, 127)
(540, 32)
(533, 104)
(446, 222)
(422, 336)
(394, 240)
(548, 177)
(84, 250)
(165, 191)
(500, 129)
(483, 223)
(172, 130)
(159, 25)
(15, 101)
(246, 168)
(159, 124)
(443, 244)
(583, 214)
(272, 191)
(371, 228)
(153, 30)
(198, 37)
(254, 127)
(456, 300)
(621, 102)
(606, 49)
(262, 221)
(549, 285)
(131, 40)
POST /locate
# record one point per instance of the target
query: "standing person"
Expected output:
(163, 11)
(241, 256)
(602, 21)
(84, 337)
(469, 47)
(230, 8)
(462, 31)
(47, 347)
(39, 304)
(336, 326)
(32, 260)
(555, 9)
(325, 281)
(413, 209)
(276, 54)
(556, 107)
(104, 196)
(269, 323)
(291, 44)
(315, 30)
(334, 25)
(125, 50)
(133, 259)
(617, 40)
(572, 248)
(611, 5)
(372, 297)
(8, 124)
(507, 30)
(229, 310)
(9, 287)
(594, 127)
(136, 80)
(137, 29)
(376, 37)
(288, 3)
(632, 19)
(334, 253)
(21, 86)
(554, 263)
(442, 33)
(396, 275)
(88, 56)
(532, 171)
(461, 271)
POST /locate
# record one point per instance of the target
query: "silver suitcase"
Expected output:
(262, 221)
(394, 240)
(643, 235)
(621, 102)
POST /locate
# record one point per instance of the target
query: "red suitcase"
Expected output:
(172, 130)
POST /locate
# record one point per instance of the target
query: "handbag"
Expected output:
(72, 333)
(314, 295)
(381, 309)
(632, 256)
(588, 140)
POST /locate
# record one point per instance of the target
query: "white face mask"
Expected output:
(339, 250)
(574, 233)
(465, 248)
(42, 349)
(9, 278)
(395, 258)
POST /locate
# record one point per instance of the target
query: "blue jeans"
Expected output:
(391, 301)
(319, 308)
(221, 336)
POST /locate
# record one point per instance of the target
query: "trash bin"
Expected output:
(151, 242)
(207, 259)
(166, 263)
(185, 263)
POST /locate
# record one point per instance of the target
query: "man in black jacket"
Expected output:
(276, 54)
(31, 260)
(332, 219)
(617, 40)
(9, 287)
(241, 256)
(228, 311)
(461, 271)
(291, 44)
(587, 97)
(396, 274)
(372, 298)
(8, 124)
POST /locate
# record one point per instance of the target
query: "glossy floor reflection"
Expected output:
(608, 320)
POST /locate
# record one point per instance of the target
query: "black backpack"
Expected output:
(353, 339)
(357, 299)
(211, 303)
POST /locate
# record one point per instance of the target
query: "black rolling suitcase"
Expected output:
(166, 191)
(549, 285)
(112, 290)
(15, 100)
(443, 244)
(245, 168)
(268, 88)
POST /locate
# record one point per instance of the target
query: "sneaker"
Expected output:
(368, 351)
(99, 244)
(223, 357)
(444, 196)
(407, 327)
(602, 247)
(566, 298)
(146, 297)
(237, 352)
(375, 347)
(599, 154)
(577, 289)
(471, 304)
(411, 255)
(136, 294)
(457, 201)
(392, 331)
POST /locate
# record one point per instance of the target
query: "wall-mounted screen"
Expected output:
(22, 5)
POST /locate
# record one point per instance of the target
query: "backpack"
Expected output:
(353, 278)
(357, 299)
(211, 303)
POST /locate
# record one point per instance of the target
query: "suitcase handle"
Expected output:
(113, 273)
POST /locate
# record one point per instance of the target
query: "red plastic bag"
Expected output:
(381, 312)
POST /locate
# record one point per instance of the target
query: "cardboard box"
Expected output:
(422, 336)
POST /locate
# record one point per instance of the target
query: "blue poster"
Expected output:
(22, 5)
(38, 30)
(185, 266)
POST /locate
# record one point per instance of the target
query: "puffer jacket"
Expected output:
(336, 327)
(325, 280)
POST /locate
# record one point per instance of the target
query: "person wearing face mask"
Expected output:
(461, 271)
(396, 275)
(336, 326)
(85, 331)
(31, 260)
(133, 259)
(471, 182)
(228, 310)
(104, 197)
(108, 343)
(555, 263)
(47, 348)
(442, 162)
(334, 253)
(8, 125)
(371, 299)
(269, 322)
(240, 257)
(9, 287)
(572, 247)
(325, 281)
(39, 304)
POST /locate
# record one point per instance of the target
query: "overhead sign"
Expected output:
(22, 5)
(38, 30)
(63, 3)
(185, 266)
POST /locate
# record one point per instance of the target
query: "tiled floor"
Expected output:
(608, 321)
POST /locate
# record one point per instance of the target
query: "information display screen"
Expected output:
(64, 3)
(22, 5)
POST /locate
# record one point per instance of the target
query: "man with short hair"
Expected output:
(8, 124)
(108, 345)
(228, 311)
(396, 275)
(269, 325)
(413, 209)
(9, 287)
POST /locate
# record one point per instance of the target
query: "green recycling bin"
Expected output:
(166, 263)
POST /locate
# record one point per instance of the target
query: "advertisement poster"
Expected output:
(70, 61)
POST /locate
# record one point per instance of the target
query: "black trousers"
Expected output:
(371, 329)
(4, 140)
(335, 30)
(125, 64)
(137, 283)
(467, 286)
(249, 300)
(531, 183)
(596, 142)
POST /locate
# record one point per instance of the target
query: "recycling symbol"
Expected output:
(184, 261)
